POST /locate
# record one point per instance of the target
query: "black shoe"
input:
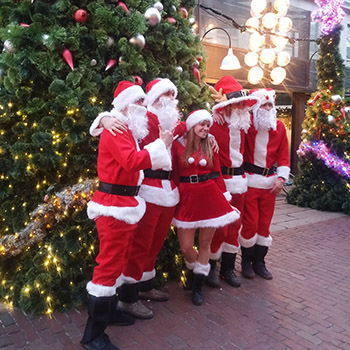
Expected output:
(261, 270)
(230, 277)
(100, 343)
(247, 270)
(197, 298)
(120, 318)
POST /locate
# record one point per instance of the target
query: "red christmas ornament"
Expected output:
(67, 55)
(183, 12)
(111, 63)
(80, 16)
(342, 111)
(171, 20)
(123, 6)
(24, 25)
(312, 101)
(138, 80)
(197, 74)
(199, 58)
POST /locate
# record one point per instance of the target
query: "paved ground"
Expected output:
(306, 305)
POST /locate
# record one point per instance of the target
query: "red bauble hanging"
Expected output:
(197, 74)
(80, 16)
(111, 63)
(123, 6)
(138, 80)
(171, 20)
(67, 55)
(183, 12)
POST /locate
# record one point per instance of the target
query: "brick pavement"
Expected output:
(306, 305)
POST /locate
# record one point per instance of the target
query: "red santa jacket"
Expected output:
(267, 149)
(120, 162)
(231, 145)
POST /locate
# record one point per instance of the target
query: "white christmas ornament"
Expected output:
(159, 6)
(330, 119)
(45, 38)
(139, 40)
(93, 62)
(153, 16)
(336, 98)
(179, 69)
(8, 46)
(347, 109)
(190, 160)
(203, 162)
(109, 42)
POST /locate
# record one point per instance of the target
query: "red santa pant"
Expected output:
(147, 241)
(114, 236)
(259, 207)
(229, 233)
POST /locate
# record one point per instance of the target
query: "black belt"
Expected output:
(232, 171)
(119, 190)
(193, 179)
(259, 170)
(157, 174)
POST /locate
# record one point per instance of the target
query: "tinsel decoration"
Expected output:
(45, 215)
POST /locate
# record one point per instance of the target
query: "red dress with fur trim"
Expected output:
(202, 204)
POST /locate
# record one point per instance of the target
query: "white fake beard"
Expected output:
(239, 119)
(168, 113)
(265, 120)
(137, 121)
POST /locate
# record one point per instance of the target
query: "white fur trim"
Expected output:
(264, 241)
(197, 117)
(148, 275)
(229, 248)
(228, 196)
(201, 269)
(160, 158)
(128, 96)
(94, 129)
(98, 290)
(235, 100)
(130, 215)
(129, 280)
(215, 222)
(259, 181)
(283, 171)
(260, 150)
(247, 243)
(237, 184)
(160, 196)
(217, 255)
(189, 265)
(159, 89)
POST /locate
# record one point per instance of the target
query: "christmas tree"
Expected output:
(323, 181)
(60, 64)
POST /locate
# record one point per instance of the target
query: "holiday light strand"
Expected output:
(54, 209)
(321, 151)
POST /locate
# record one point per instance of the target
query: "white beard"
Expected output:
(136, 119)
(168, 114)
(239, 119)
(265, 120)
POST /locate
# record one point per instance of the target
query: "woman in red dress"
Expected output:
(204, 202)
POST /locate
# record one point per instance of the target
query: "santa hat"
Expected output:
(234, 92)
(158, 87)
(126, 93)
(264, 96)
(198, 116)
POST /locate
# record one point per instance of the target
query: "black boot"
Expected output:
(197, 297)
(212, 279)
(259, 262)
(247, 260)
(99, 311)
(227, 269)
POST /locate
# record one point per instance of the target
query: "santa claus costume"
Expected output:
(116, 207)
(230, 137)
(202, 198)
(161, 196)
(266, 161)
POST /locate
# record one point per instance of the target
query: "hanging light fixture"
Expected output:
(230, 61)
